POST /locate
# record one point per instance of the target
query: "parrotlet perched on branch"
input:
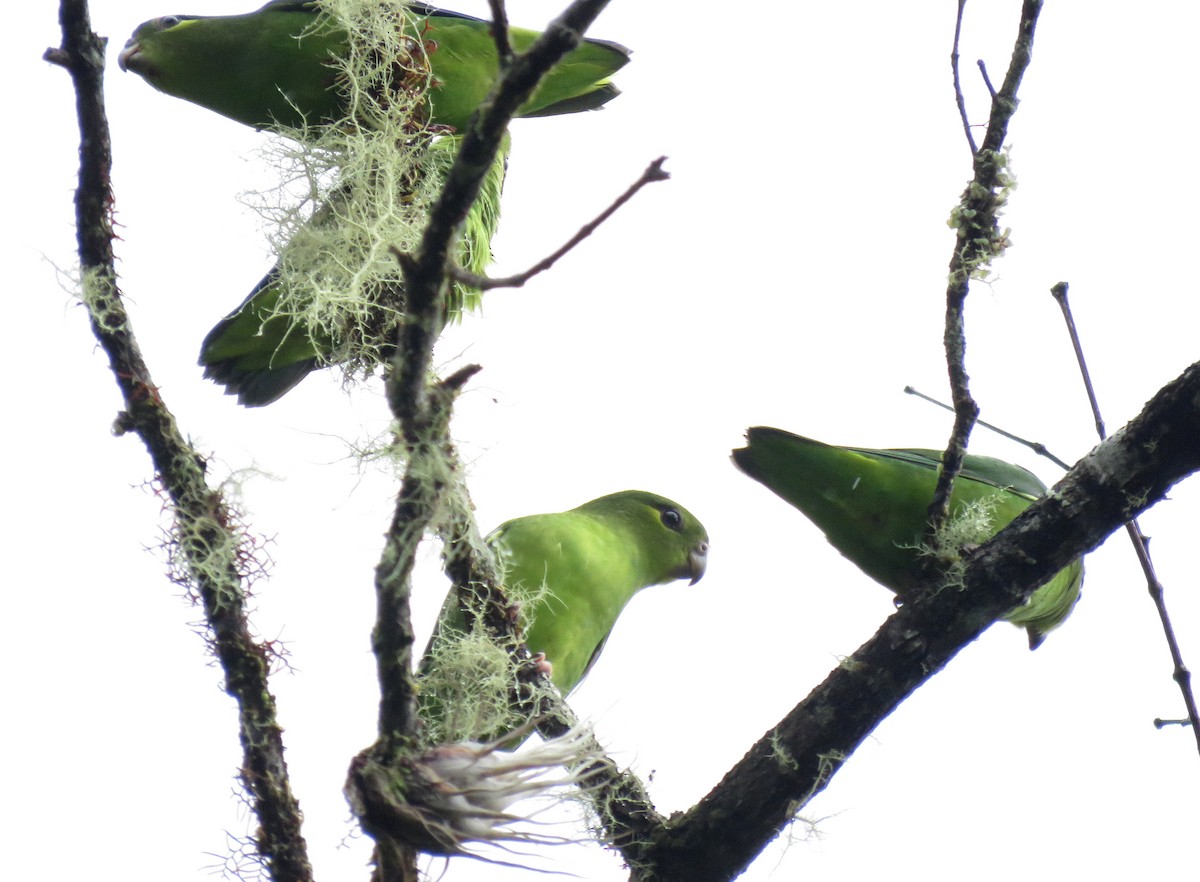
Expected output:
(572, 573)
(283, 67)
(271, 67)
(872, 507)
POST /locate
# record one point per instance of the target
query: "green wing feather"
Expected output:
(272, 67)
(574, 572)
(871, 505)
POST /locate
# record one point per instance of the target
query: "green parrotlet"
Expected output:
(277, 68)
(577, 570)
(872, 507)
(272, 67)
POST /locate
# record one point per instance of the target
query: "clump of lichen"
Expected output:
(469, 681)
(366, 184)
(970, 524)
(975, 217)
(98, 291)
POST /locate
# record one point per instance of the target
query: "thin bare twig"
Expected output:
(1036, 446)
(1181, 675)
(1059, 293)
(212, 549)
(987, 81)
(958, 93)
(653, 172)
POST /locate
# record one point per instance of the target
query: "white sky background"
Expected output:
(791, 273)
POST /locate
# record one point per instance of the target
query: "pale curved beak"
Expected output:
(128, 53)
(698, 561)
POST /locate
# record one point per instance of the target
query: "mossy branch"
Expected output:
(621, 801)
(979, 240)
(433, 494)
(211, 548)
(422, 410)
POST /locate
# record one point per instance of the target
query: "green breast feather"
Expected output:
(572, 573)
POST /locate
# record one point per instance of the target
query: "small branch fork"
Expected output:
(654, 172)
(979, 240)
(958, 93)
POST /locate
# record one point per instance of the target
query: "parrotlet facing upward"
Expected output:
(579, 569)
(872, 507)
(271, 67)
(277, 67)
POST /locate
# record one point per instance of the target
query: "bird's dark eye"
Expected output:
(671, 519)
(167, 21)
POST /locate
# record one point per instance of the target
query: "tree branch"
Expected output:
(653, 172)
(978, 242)
(432, 494)
(214, 553)
(958, 93)
(795, 760)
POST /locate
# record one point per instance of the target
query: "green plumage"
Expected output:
(272, 67)
(872, 507)
(577, 570)
(282, 67)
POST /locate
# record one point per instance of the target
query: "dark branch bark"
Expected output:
(796, 759)
(212, 551)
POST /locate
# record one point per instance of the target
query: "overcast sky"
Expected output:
(791, 273)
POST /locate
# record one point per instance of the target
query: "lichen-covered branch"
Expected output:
(211, 551)
(979, 240)
(423, 415)
(795, 760)
(432, 494)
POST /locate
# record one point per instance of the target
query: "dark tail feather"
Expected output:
(255, 388)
